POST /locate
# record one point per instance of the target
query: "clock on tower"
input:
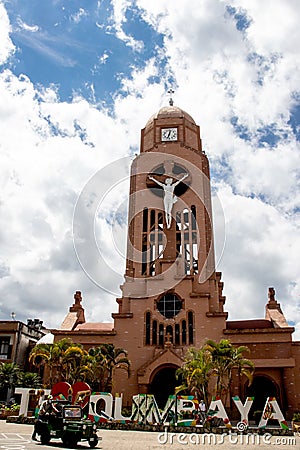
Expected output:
(168, 134)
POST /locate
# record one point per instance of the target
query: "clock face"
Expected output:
(169, 134)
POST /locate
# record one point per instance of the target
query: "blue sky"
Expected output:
(55, 47)
(79, 80)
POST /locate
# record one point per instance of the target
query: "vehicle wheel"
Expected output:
(73, 443)
(45, 436)
(69, 441)
(65, 441)
(93, 443)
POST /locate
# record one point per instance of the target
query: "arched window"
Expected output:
(154, 332)
(161, 334)
(144, 242)
(148, 318)
(160, 220)
(152, 219)
(194, 218)
(169, 333)
(183, 332)
(177, 334)
(191, 327)
(187, 239)
(145, 220)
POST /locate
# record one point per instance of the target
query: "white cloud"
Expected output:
(274, 27)
(77, 17)
(118, 19)
(26, 27)
(7, 47)
(222, 74)
(103, 59)
(271, 173)
(44, 166)
(262, 248)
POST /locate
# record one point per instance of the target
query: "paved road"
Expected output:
(18, 437)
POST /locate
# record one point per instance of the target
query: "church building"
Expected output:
(172, 295)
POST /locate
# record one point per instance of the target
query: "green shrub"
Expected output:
(296, 417)
(12, 408)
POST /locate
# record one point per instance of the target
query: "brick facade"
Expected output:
(172, 295)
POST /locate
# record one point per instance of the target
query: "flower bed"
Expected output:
(8, 411)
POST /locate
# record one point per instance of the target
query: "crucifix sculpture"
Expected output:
(169, 197)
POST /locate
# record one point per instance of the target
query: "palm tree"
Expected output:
(195, 373)
(9, 374)
(75, 361)
(226, 357)
(70, 362)
(50, 356)
(244, 366)
(221, 359)
(29, 380)
(112, 359)
(217, 359)
(97, 364)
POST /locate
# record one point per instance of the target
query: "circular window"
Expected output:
(169, 305)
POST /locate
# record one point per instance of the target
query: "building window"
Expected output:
(152, 219)
(161, 334)
(153, 241)
(187, 239)
(191, 327)
(177, 334)
(193, 217)
(5, 348)
(154, 332)
(169, 305)
(145, 220)
(183, 332)
(144, 242)
(148, 318)
(169, 333)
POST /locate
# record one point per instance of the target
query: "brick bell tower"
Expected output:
(172, 295)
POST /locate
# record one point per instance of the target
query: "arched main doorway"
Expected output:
(163, 384)
(261, 388)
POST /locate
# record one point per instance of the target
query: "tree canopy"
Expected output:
(208, 371)
(67, 361)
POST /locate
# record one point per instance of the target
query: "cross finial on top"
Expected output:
(171, 102)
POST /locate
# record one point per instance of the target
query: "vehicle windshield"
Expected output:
(73, 412)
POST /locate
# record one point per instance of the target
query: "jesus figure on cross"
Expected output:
(169, 197)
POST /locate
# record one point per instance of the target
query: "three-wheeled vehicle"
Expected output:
(69, 425)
